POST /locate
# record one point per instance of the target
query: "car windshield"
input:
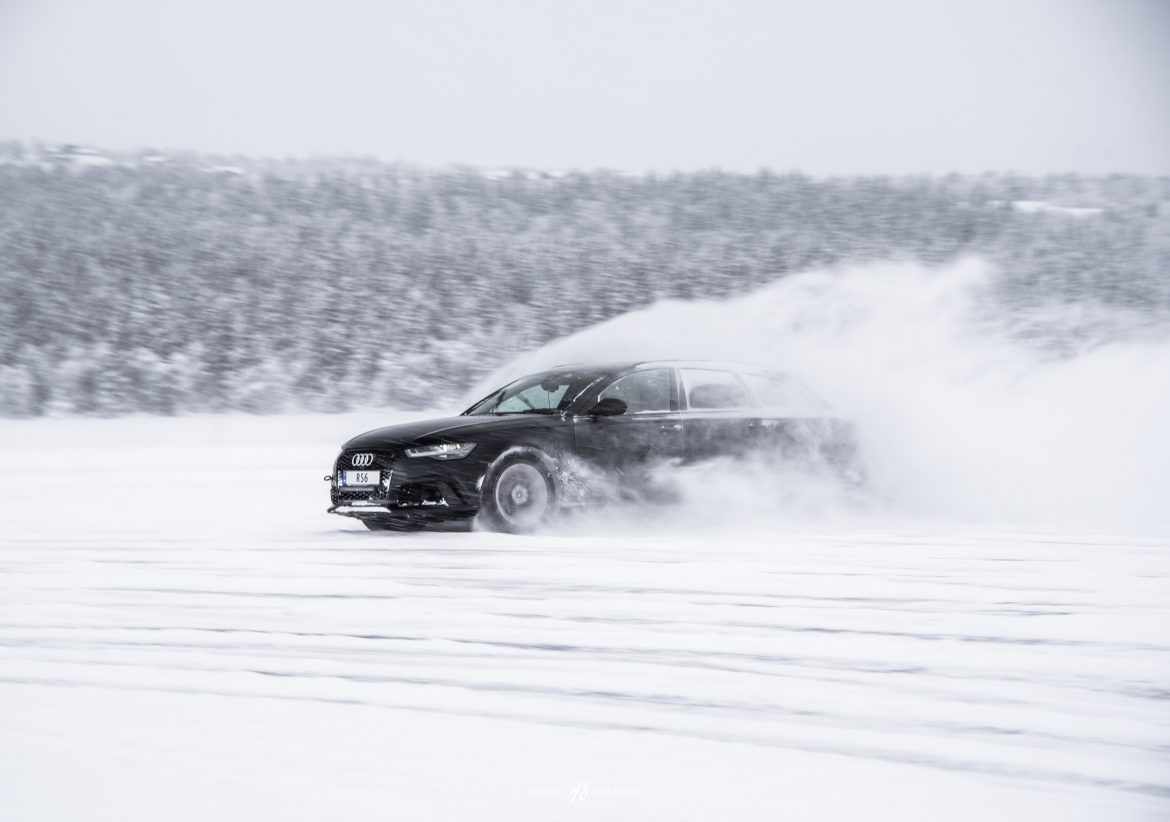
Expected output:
(547, 393)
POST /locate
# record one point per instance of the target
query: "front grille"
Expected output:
(357, 494)
(382, 461)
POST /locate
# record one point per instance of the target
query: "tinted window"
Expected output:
(783, 393)
(714, 390)
(642, 391)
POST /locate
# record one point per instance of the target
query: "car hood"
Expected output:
(447, 429)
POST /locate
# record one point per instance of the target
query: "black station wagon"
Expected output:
(572, 435)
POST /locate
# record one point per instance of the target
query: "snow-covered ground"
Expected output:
(185, 634)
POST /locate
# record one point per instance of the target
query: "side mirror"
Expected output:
(609, 407)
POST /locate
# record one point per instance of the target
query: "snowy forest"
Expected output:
(167, 284)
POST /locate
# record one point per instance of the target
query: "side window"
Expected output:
(714, 390)
(783, 393)
(642, 391)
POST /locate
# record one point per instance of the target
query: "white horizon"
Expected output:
(828, 89)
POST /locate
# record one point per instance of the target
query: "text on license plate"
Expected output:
(361, 477)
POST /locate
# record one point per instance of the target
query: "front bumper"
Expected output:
(390, 513)
(419, 489)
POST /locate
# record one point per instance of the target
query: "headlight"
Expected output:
(442, 451)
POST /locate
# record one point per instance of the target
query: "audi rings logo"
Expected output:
(361, 460)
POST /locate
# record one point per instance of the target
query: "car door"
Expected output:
(649, 432)
(719, 413)
(792, 423)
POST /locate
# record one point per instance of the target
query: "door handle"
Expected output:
(670, 426)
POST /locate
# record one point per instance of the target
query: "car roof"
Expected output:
(641, 364)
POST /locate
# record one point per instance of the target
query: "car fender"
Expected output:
(549, 464)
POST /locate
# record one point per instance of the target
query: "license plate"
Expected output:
(352, 478)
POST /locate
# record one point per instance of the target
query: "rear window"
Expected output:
(779, 392)
(709, 390)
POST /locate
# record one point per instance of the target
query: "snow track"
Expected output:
(205, 661)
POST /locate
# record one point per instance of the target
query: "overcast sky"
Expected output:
(823, 86)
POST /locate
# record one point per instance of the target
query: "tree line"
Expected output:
(176, 284)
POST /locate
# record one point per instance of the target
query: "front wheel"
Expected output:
(518, 495)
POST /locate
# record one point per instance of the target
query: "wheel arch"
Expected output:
(525, 451)
(546, 466)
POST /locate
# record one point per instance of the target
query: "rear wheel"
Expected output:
(518, 495)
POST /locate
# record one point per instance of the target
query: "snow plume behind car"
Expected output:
(968, 408)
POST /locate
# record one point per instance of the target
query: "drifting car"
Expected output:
(548, 441)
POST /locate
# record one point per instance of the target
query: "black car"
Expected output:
(571, 435)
